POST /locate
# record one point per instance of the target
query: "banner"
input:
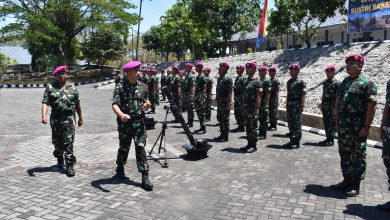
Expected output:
(368, 15)
(262, 27)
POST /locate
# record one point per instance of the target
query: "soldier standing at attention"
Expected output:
(328, 103)
(163, 82)
(209, 89)
(63, 98)
(296, 95)
(169, 80)
(356, 100)
(252, 98)
(176, 86)
(239, 88)
(152, 90)
(274, 99)
(200, 97)
(128, 104)
(224, 101)
(188, 89)
(385, 136)
(263, 110)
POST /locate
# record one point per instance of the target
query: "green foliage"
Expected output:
(4, 61)
(102, 46)
(249, 50)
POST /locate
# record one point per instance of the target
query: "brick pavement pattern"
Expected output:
(272, 183)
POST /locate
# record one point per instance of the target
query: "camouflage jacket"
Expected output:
(62, 101)
(120, 78)
(224, 87)
(252, 86)
(130, 97)
(209, 86)
(176, 86)
(266, 83)
(144, 79)
(168, 82)
(200, 86)
(239, 88)
(354, 94)
(275, 87)
(163, 80)
(295, 88)
(329, 91)
(152, 84)
(187, 84)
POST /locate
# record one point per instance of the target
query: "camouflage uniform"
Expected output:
(263, 110)
(209, 88)
(168, 82)
(164, 80)
(119, 78)
(62, 118)
(152, 91)
(329, 94)
(295, 89)
(386, 140)
(130, 98)
(252, 87)
(224, 86)
(239, 113)
(354, 94)
(200, 98)
(176, 91)
(187, 98)
(274, 103)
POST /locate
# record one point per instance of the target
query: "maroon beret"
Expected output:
(355, 57)
(252, 64)
(207, 69)
(240, 67)
(132, 65)
(330, 68)
(272, 69)
(224, 64)
(295, 67)
(60, 69)
(189, 65)
(263, 68)
(176, 68)
(199, 64)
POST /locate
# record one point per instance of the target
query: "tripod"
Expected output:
(161, 138)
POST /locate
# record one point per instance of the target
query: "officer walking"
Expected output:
(263, 110)
(128, 104)
(224, 101)
(328, 102)
(200, 97)
(273, 99)
(209, 89)
(239, 89)
(188, 96)
(296, 95)
(63, 98)
(356, 100)
(252, 98)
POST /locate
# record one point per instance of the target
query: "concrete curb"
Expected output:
(34, 85)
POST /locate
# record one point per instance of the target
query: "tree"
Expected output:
(306, 16)
(51, 27)
(102, 46)
(279, 20)
(4, 61)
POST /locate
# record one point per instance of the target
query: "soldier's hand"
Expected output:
(146, 105)
(80, 123)
(44, 120)
(364, 132)
(125, 117)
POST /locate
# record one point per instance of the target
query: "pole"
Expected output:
(132, 43)
(139, 23)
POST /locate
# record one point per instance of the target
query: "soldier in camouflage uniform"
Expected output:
(119, 76)
(252, 98)
(224, 101)
(63, 98)
(188, 93)
(296, 95)
(163, 84)
(239, 88)
(153, 90)
(356, 100)
(209, 89)
(200, 97)
(328, 102)
(129, 103)
(169, 80)
(263, 110)
(274, 99)
(385, 136)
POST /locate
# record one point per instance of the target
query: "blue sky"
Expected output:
(151, 12)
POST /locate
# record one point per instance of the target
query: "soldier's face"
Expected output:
(188, 69)
(222, 71)
(132, 74)
(354, 68)
(240, 71)
(330, 73)
(198, 69)
(62, 77)
(272, 74)
(250, 71)
(294, 73)
(262, 74)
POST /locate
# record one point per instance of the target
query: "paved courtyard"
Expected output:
(272, 183)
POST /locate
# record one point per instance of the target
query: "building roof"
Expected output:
(20, 54)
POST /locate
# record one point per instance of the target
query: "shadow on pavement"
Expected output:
(366, 212)
(275, 146)
(189, 158)
(113, 181)
(324, 191)
(51, 169)
(212, 125)
(280, 135)
(315, 144)
(235, 150)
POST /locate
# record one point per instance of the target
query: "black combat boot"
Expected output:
(238, 129)
(272, 128)
(297, 143)
(384, 207)
(202, 130)
(60, 162)
(146, 184)
(289, 144)
(251, 145)
(120, 172)
(354, 188)
(70, 170)
(263, 136)
(190, 124)
(343, 185)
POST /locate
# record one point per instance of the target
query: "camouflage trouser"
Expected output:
(188, 104)
(163, 93)
(386, 153)
(133, 129)
(239, 113)
(263, 125)
(223, 116)
(152, 99)
(252, 127)
(352, 150)
(62, 139)
(273, 111)
(157, 98)
(294, 120)
(200, 110)
(329, 122)
(208, 108)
